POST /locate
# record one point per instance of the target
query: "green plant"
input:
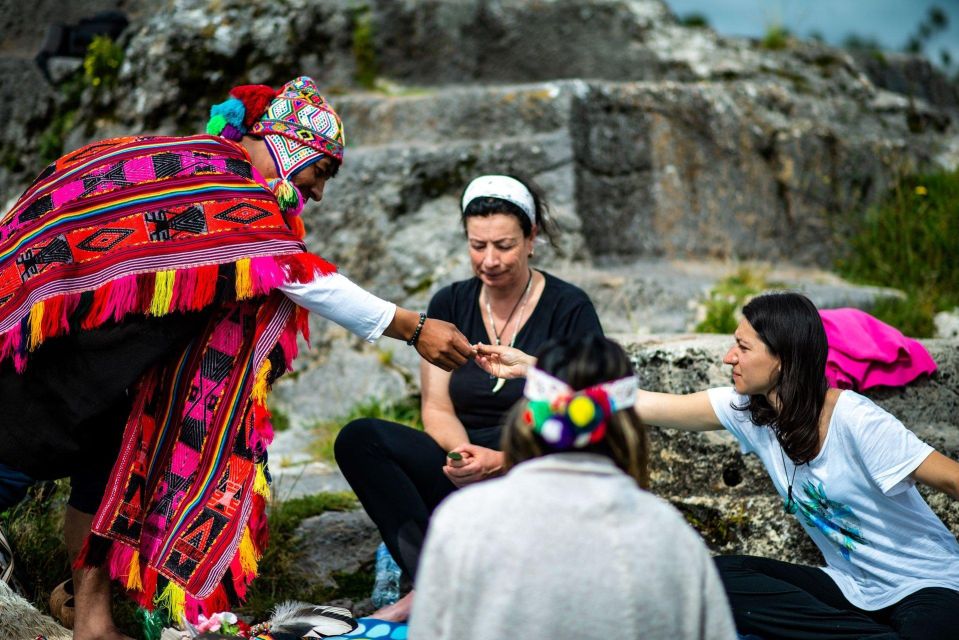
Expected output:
(776, 37)
(723, 302)
(35, 530)
(279, 578)
(404, 411)
(364, 48)
(51, 141)
(101, 65)
(910, 241)
(694, 20)
(280, 421)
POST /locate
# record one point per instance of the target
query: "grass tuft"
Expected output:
(910, 241)
(278, 579)
(404, 411)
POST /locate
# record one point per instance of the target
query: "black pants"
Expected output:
(397, 474)
(65, 414)
(774, 599)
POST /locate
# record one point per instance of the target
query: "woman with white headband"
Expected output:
(401, 474)
(568, 544)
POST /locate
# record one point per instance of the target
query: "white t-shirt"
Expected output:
(857, 501)
(337, 298)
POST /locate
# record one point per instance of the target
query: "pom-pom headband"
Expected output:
(504, 188)
(568, 419)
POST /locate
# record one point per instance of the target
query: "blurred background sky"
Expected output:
(891, 23)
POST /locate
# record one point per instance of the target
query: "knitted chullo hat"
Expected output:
(297, 124)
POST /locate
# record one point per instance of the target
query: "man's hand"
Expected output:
(442, 344)
(478, 463)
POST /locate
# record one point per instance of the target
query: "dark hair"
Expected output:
(791, 328)
(489, 206)
(584, 362)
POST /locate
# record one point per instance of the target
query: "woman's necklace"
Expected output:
(496, 334)
(790, 505)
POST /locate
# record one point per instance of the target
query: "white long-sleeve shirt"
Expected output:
(337, 298)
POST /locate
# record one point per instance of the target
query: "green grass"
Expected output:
(35, 529)
(694, 20)
(776, 38)
(910, 241)
(364, 48)
(405, 411)
(279, 578)
(101, 64)
(727, 297)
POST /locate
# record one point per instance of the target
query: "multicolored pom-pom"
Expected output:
(232, 110)
(287, 196)
(234, 116)
(572, 421)
(215, 125)
(256, 98)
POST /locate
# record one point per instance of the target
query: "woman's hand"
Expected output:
(478, 463)
(503, 362)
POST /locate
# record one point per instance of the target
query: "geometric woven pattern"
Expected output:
(104, 239)
(299, 127)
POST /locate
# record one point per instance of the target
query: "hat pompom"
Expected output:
(215, 125)
(232, 133)
(232, 110)
(255, 98)
(287, 196)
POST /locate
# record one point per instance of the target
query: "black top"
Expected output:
(563, 310)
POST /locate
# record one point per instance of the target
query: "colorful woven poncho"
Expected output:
(151, 226)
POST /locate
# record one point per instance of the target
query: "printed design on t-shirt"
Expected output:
(835, 520)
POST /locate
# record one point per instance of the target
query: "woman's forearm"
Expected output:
(445, 428)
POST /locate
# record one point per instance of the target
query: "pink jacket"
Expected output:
(865, 352)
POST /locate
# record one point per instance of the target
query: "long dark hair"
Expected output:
(489, 206)
(790, 327)
(583, 362)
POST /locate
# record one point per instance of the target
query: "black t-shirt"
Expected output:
(563, 310)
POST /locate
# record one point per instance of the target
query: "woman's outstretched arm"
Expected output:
(692, 412)
(939, 472)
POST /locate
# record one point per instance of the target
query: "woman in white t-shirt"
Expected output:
(846, 469)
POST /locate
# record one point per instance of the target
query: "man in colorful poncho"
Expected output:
(151, 291)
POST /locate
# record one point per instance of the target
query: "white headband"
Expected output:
(540, 386)
(504, 188)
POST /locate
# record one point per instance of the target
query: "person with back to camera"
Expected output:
(568, 544)
(400, 474)
(151, 291)
(846, 469)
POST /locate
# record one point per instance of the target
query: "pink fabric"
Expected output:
(865, 352)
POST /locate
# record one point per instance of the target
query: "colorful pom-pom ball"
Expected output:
(256, 98)
(216, 124)
(232, 110)
(581, 411)
(551, 431)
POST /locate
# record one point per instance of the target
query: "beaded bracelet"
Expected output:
(416, 333)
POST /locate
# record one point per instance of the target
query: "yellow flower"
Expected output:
(921, 191)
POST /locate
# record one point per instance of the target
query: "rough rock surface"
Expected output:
(336, 544)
